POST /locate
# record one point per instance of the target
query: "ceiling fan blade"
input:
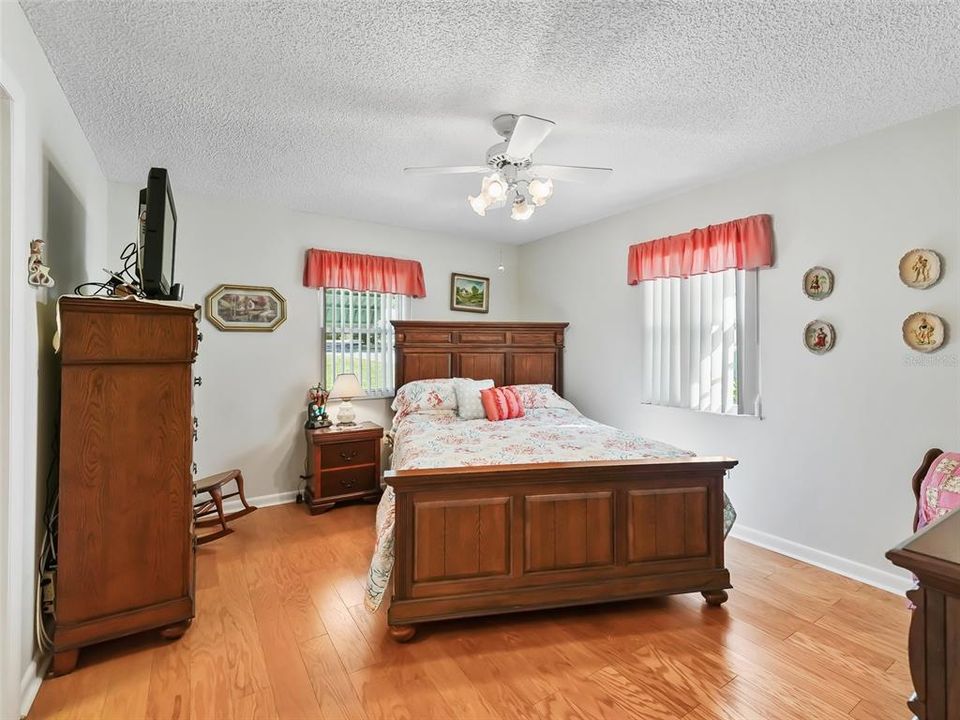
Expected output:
(570, 173)
(447, 170)
(527, 135)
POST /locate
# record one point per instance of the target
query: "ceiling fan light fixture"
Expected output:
(522, 210)
(510, 176)
(479, 204)
(540, 190)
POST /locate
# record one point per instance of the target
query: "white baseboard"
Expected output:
(891, 582)
(281, 498)
(30, 682)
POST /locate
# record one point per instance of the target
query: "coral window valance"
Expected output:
(353, 271)
(744, 244)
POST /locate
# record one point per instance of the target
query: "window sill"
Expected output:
(385, 395)
(709, 413)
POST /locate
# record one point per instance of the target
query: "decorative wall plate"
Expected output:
(924, 332)
(920, 268)
(819, 336)
(817, 283)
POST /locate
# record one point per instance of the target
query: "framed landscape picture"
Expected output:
(246, 307)
(470, 293)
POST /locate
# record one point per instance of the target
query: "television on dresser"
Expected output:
(156, 256)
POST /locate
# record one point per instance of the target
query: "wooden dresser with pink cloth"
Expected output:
(932, 554)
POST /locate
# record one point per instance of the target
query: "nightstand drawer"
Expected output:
(346, 454)
(349, 480)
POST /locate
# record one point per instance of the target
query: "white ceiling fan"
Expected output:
(511, 171)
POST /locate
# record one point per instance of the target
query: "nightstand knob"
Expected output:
(348, 455)
(347, 483)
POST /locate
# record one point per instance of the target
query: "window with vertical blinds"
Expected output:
(358, 337)
(700, 342)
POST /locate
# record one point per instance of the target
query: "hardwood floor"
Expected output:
(281, 632)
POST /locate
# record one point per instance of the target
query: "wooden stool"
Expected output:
(213, 484)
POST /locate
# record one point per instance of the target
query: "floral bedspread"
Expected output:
(441, 439)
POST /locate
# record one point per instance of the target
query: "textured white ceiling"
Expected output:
(318, 106)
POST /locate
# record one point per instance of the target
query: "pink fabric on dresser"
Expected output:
(744, 244)
(940, 490)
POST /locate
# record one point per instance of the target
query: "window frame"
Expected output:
(387, 390)
(746, 373)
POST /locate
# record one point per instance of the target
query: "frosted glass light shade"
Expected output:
(522, 210)
(479, 204)
(346, 386)
(540, 190)
(493, 187)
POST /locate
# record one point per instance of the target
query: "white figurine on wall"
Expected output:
(37, 273)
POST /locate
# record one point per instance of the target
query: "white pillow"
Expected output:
(469, 406)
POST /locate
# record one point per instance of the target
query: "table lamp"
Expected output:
(345, 388)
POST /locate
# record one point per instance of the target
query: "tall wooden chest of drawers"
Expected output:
(125, 538)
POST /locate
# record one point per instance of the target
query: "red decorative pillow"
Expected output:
(501, 403)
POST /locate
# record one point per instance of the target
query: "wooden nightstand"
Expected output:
(343, 463)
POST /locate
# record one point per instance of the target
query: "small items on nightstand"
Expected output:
(346, 387)
(317, 408)
(343, 463)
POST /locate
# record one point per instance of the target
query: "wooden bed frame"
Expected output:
(497, 539)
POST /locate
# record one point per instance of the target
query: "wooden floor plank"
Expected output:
(555, 707)
(335, 693)
(292, 691)
(281, 632)
(168, 696)
(257, 705)
(211, 682)
(129, 681)
(241, 639)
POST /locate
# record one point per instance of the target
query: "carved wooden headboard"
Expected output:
(510, 353)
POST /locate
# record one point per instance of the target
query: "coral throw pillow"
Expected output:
(501, 403)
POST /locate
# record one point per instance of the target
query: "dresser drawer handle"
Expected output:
(347, 483)
(349, 455)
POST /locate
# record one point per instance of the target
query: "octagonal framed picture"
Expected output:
(246, 308)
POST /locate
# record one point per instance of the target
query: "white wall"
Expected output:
(252, 404)
(59, 194)
(829, 465)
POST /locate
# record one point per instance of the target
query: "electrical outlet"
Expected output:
(48, 591)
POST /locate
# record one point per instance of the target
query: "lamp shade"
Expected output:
(346, 386)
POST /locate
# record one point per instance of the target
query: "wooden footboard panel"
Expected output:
(488, 540)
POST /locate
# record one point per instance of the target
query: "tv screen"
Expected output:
(158, 242)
